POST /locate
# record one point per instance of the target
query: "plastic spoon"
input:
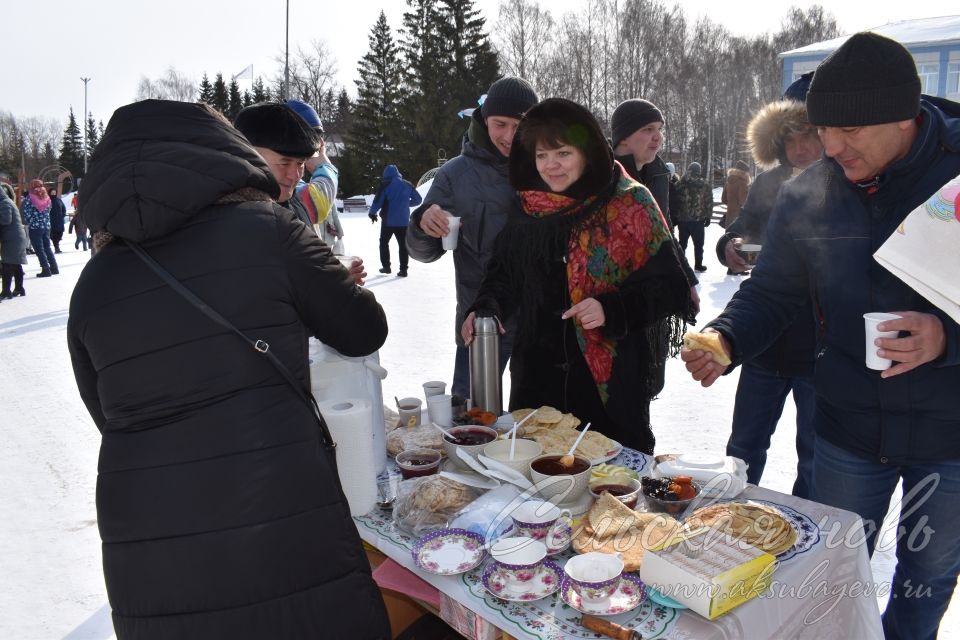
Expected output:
(444, 431)
(516, 427)
(568, 459)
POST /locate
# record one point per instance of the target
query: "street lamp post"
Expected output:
(85, 81)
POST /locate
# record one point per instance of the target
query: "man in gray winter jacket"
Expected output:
(476, 188)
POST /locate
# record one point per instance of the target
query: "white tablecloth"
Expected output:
(823, 590)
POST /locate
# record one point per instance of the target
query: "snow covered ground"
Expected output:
(49, 545)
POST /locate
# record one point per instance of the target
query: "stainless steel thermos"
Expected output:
(486, 385)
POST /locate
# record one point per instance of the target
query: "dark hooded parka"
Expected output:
(221, 515)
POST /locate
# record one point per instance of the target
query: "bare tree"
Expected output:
(172, 85)
(523, 38)
(312, 73)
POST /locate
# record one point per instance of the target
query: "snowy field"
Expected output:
(49, 545)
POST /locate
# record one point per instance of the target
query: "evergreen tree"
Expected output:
(429, 109)
(344, 117)
(206, 90)
(93, 135)
(375, 133)
(221, 101)
(328, 109)
(260, 93)
(49, 156)
(247, 99)
(235, 100)
(475, 64)
(71, 147)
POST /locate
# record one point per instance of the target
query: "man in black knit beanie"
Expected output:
(887, 150)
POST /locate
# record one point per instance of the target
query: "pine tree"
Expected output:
(49, 156)
(260, 93)
(328, 109)
(475, 64)
(235, 100)
(247, 99)
(375, 131)
(344, 114)
(93, 136)
(206, 90)
(71, 147)
(429, 109)
(221, 101)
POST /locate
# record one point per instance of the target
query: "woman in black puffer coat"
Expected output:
(220, 514)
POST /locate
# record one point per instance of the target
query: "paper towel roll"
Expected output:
(334, 376)
(352, 429)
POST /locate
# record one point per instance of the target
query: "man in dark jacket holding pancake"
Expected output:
(887, 151)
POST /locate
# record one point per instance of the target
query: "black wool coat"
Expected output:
(220, 515)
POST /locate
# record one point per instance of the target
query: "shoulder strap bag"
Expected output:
(260, 346)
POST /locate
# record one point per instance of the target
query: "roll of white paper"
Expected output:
(352, 429)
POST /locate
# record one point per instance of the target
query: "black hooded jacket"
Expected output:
(221, 517)
(527, 279)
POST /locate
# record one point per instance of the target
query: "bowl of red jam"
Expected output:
(415, 463)
(471, 438)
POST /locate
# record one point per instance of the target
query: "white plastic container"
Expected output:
(334, 376)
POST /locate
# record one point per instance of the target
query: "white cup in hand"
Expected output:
(871, 320)
(450, 240)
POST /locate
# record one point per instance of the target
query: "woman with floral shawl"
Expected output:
(591, 275)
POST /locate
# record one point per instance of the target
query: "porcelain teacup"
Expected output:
(594, 575)
(518, 559)
(543, 521)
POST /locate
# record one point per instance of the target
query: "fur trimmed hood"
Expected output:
(769, 129)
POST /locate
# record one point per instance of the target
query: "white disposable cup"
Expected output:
(410, 410)
(346, 261)
(450, 240)
(434, 388)
(870, 322)
(441, 410)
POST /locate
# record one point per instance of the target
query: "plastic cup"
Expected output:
(434, 388)
(750, 253)
(870, 322)
(410, 410)
(450, 240)
(346, 261)
(441, 409)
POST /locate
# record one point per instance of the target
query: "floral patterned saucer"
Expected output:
(629, 594)
(449, 551)
(543, 584)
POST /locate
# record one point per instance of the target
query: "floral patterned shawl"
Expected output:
(602, 251)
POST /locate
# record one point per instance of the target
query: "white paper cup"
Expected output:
(450, 240)
(434, 388)
(870, 322)
(410, 410)
(441, 411)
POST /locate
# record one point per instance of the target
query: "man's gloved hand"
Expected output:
(373, 219)
(706, 223)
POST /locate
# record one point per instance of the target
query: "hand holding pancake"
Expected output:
(707, 355)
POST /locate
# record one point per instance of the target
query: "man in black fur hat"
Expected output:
(285, 140)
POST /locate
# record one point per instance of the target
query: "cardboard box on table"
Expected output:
(708, 571)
